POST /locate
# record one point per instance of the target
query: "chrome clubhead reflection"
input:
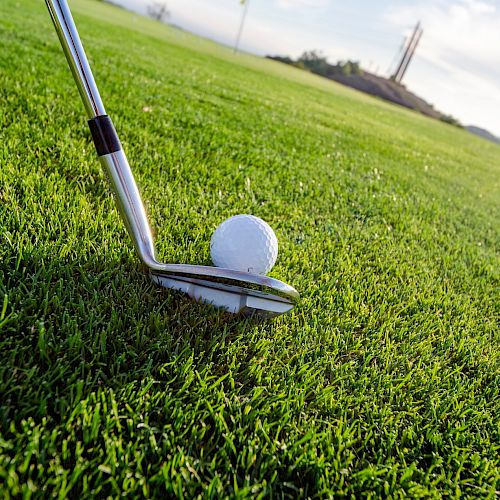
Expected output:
(234, 291)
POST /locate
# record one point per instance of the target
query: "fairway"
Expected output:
(382, 382)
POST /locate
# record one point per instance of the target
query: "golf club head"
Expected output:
(236, 292)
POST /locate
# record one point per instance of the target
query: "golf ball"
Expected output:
(244, 243)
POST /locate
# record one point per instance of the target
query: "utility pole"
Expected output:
(398, 55)
(242, 24)
(411, 46)
(410, 55)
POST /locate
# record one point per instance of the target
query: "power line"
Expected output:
(397, 55)
(367, 34)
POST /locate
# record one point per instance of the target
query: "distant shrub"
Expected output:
(315, 62)
(158, 10)
(451, 120)
(346, 68)
(282, 59)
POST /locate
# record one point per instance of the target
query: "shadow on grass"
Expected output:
(71, 326)
(92, 350)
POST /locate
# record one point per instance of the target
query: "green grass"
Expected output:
(384, 381)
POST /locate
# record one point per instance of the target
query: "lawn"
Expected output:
(384, 381)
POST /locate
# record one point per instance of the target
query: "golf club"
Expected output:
(235, 291)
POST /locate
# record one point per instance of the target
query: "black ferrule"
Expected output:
(104, 134)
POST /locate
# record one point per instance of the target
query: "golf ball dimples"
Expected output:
(244, 243)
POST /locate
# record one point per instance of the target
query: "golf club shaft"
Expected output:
(77, 60)
(111, 154)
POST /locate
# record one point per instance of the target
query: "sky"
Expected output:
(456, 66)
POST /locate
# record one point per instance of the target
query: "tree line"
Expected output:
(315, 62)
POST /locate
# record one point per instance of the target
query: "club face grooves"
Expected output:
(229, 285)
(234, 296)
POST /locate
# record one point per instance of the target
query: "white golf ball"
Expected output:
(244, 243)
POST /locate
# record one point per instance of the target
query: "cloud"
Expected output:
(463, 33)
(458, 60)
(295, 4)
